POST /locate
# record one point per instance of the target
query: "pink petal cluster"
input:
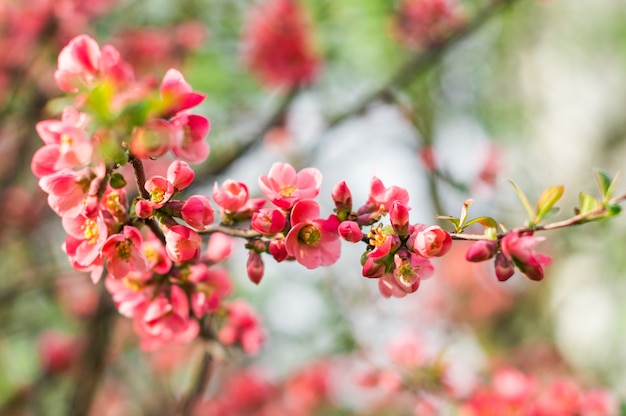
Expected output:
(284, 187)
(242, 327)
(421, 23)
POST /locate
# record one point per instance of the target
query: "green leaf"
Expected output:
(522, 197)
(465, 212)
(117, 181)
(486, 222)
(548, 198)
(604, 181)
(588, 203)
(609, 192)
(453, 220)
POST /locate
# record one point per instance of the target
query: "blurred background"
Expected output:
(447, 99)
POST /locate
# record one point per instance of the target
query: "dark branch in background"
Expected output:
(204, 371)
(424, 60)
(228, 157)
(93, 359)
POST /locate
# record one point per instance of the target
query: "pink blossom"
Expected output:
(312, 241)
(166, 319)
(519, 249)
(268, 222)
(160, 189)
(373, 269)
(284, 187)
(158, 261)
(197, 212)
(409, 270)
(399, 217)
(144, 209)
(123, 252)
(380, 201)
(189, 143)
(342, 197)
(67, 192)
(96, 268)
(232, 196)
(382, 241)
(431, 241)
(504, 267)
(91, 232)
(182, 244)
(277, 248)
(211, 286)
(130, 293)
(68, 138)
(79, 64)
(242, 327)
(350, 231)
(177, 94)
(180, 175)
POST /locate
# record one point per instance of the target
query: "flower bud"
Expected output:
(342, 197)
(255, 267)
(504, 267)
(232, 196)
(481, 250)
(180, 174)
(432, 241)
(399, 217)
(268, 221)
(197, 212)
(350, 231)
(278, 250)
(143, 209)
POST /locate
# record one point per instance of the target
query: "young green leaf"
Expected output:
(486, 222)
(548, 198)
(604, 181)
(465, 212)
(522, 197)
(587, 203)
(455, 221)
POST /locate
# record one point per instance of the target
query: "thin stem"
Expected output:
(233, 232)
(575, 220)
(140, 181)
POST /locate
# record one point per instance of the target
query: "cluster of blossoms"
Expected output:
(279, 47)
(155, 273)
(150, 247)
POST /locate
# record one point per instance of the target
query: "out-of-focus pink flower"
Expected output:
(212, 285)
(57, 351)
(519, 249)
(166, 319)
(242, 327)
(190, 132)
(232, 196)
(312, 241)
(284, 187)
(160, 190)
(268, 221)
(409, 270)
(79, 64)
(219, 247)
(197, 212)
(76, 294)
(481, 250)
(158, 260)
(176, 94)
(419, 23)
(278, 44)
(123, 253)
(182, 244)
(350, 231)
(514, 386)
(431, 241)
(152, 140)
(180, 175)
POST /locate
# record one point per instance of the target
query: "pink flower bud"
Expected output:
(143, 208)
(268, 221)
(432, 241)
(278, 250)
(481, 250)
(342, 197)
(350, 231)
(254, 267)
(197, 212)
(399, 217)
(504, 267)
(373, 269)
(57, 351)
(232, 196)
(180, 175)
(182, 244)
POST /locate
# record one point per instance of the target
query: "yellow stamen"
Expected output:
(90, 231)
(310, 235)
(122, 250)
(377, 236)
(287, 190)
